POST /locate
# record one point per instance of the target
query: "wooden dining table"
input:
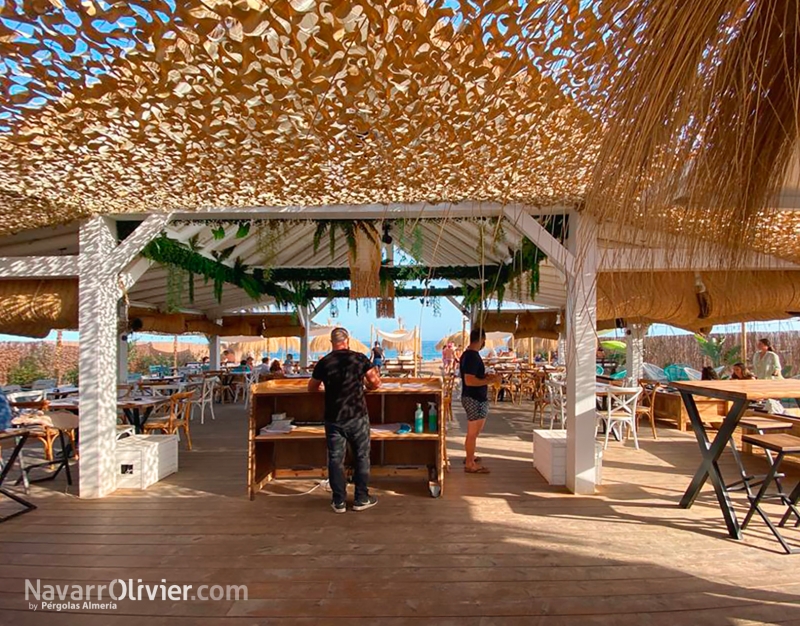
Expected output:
(136, 410)
(740, 393)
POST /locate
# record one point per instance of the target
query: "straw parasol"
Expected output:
(493, 340)
(320, 341)
(254, 345)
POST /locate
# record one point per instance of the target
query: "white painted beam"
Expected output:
(38, 267)
(580, 355)
(131, 274)
(98, 292)
(533, 230)
(122, 360)
(305, 319)
(126, 252)
(214, 351)
(634, 350)
(370, 211)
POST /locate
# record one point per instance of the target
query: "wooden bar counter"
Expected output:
(302, 453)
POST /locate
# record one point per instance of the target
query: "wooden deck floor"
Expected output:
(502, 549)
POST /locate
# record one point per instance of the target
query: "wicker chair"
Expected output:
(44, 434)
(178, 417)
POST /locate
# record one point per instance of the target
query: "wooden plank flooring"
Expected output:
(503, 549)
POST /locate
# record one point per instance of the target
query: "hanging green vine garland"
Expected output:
(263, 281)
(348, 229)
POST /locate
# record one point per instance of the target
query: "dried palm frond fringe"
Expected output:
(365, 266)
(384, 308)
(701, 119)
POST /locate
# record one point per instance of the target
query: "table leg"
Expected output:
(135, 419)
(6, 469)
(711, 452)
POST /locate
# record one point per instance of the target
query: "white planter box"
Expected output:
(550, 455)
(145, 459)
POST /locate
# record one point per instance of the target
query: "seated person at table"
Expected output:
(264, 367)
(205, 363)
(250, 362)
(228, 357)
(242, 367)
(709, 373)
(275, 367)
(740, 372)
(288, 365)
(345, 373)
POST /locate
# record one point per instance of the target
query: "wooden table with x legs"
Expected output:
(740, 393)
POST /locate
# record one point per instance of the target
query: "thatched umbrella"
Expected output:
(320, 341)
(493, 340)
(255, 345)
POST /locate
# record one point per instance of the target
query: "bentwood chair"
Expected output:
(647, 408)
(178, 418)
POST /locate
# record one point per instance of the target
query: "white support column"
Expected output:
(306, 321)
(122, 360)
(97, 318)
(634, 350)
(581, 343)
(214, 351)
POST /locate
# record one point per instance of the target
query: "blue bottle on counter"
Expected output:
(433, 418)
(418, 419)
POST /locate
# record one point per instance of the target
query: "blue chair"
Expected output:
(619, 375)
(598, 370)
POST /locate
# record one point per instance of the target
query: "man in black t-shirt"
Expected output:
(474, 397)
(344, 374)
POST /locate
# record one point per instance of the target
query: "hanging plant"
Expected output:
(333, 311)
(175, 284)
(436, 304)
(270, 233)
(194, 246)
(417, 243)
(243, 230)
(218, 232)
(348, 229)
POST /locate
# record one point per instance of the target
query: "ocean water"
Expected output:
(429, 352)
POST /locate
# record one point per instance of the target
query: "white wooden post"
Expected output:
(214, 351)
(561, 357)
(634, 350)
(580, 348)
(306, 321)
(98, 291)
(122, 360)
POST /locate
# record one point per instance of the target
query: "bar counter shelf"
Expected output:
(302, 452)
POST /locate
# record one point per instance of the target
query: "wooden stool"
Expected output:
(781, 444)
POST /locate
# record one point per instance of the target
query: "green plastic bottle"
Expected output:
(433, 418)
(418, 419)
